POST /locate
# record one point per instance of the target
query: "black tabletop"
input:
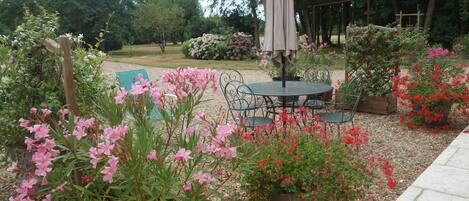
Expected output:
(293, 88)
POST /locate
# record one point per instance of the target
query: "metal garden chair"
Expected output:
(234, 75)
(242, 105)
(127, 78)
(342, 109)
(318, 75)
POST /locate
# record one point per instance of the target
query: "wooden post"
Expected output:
(67, 66)
(418, 19)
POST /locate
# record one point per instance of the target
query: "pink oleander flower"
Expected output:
(45, 113)
(121, 96)
(105, 148)
(24, 123)
(203, 178)
(86, 123)
(183, 155)
(139, 77)
(63, 112)
(40, 131)
(109, 171)
(189, 131)
(47, 145)
(94, 156)
(42, 162)
(201, 115)
(157, 97)
(187, 186)
(114, 134)
(23, 188)
(79, 132)
(33, 110)
(224, 131)
(227, 153)
(138, 89)
(13, 167)
(29, 143)
(151, 155)
(263, 63)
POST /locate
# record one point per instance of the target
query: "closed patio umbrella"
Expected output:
(280, 40)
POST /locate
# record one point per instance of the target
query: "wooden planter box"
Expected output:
(385, 104)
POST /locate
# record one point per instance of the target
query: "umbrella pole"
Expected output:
(283, 72)
(284, 99)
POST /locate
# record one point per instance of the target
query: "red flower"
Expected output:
(391, 183)
(455, 95)
(418, 99)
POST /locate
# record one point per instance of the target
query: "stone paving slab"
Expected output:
(447, 179)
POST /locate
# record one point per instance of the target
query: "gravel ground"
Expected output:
(410, 151)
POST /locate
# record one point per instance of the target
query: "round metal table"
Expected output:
(292, 89)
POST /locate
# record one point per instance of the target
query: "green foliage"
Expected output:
(185, 48)
(306, 167)
(413, 44)
(463, 41)
(373, 55)
(32, 78)
(87, 17)
(157, 27)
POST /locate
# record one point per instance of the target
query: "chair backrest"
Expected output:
(238, 96)
(228, 76)
(347, 101)
(127, 78)
(318, 74)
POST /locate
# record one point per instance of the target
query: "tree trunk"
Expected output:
(307, 25)
(429, 15)
(395, 6)
(163, 43)
(253, 5)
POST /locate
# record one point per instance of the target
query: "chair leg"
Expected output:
(353, 125)
(338, 131)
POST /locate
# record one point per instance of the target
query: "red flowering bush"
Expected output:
(297, 156)
(433, 85)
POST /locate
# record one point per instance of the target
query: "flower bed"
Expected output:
(189, 156)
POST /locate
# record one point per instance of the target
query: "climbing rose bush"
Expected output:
(122, 154)
(433, 85)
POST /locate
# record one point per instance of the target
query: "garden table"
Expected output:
(292, 89)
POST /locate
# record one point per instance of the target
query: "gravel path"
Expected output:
(410, 151)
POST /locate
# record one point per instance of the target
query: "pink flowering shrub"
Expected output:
(121, 153)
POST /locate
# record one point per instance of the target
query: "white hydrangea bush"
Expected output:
(207, 47)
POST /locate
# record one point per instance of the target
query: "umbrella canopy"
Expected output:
(280, 40)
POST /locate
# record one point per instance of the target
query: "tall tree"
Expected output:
(429, 15)
(156, 21)
(252, 6)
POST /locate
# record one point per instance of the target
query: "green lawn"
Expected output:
(150, 55)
